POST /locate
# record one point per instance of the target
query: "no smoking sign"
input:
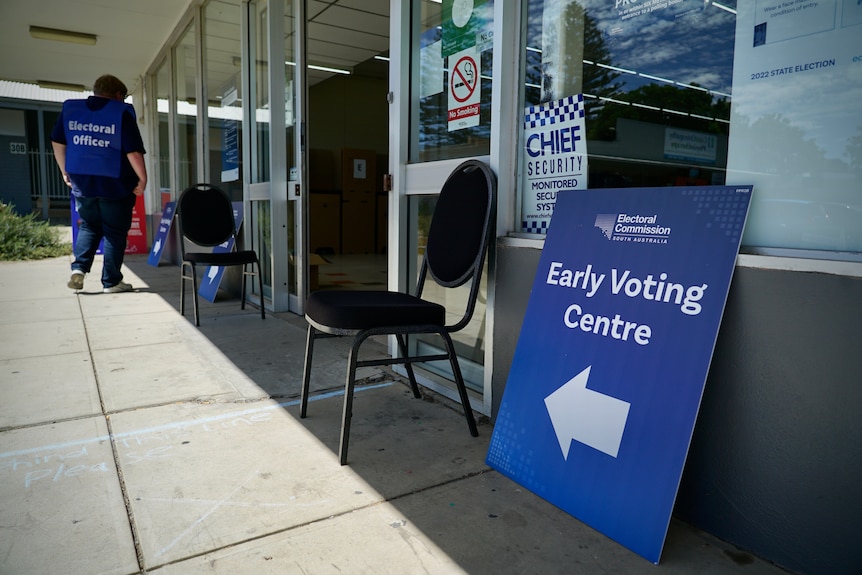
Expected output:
(464, 91)
(463, 84)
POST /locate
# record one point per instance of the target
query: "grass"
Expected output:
(23, 237)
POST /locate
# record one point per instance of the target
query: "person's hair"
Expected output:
(108, 86)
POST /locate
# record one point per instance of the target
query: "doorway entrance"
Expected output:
(315, 144)
(331, 224)
(347, 77)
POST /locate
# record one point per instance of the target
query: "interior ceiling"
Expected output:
(342, 34)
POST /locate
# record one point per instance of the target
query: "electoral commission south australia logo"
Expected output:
(633, 228)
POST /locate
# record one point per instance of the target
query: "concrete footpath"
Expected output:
(133, 442)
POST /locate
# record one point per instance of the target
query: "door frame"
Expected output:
(279, 190)
(427, 178)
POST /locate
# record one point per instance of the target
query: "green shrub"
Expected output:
(26, 238)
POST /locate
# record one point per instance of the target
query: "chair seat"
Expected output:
(367, 309)
(218, 259)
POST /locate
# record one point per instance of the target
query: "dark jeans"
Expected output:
(103, 218)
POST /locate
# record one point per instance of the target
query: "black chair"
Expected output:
(454, 255)
(205, 217)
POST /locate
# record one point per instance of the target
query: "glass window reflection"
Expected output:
(222, 72)
(709, 93)
(450, 112)
(185, 80)
(655, 84)
(161, 147)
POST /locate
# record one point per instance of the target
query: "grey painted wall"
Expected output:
(775, 464)
(516, 268)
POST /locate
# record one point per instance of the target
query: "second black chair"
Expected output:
(205, 217)
(454, 255)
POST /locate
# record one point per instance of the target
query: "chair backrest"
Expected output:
(460, 231)
(205, 215)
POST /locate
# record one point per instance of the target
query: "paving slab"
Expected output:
(490, 524)
(131, 330)
(63, 509)
(30, 280)
(147, 375)
(44, 389)
(164, 278)
(242, 376)
(271, 353)
(481, 524)
(100, 305)
(272, 358)
(200, 477)
(45, 309)
(378, 540)
(399, 443)
(41, 338)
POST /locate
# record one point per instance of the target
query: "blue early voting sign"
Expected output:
(609, 370)
(213, 274)
(162, 234)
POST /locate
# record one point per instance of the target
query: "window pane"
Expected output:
(162, 147)
(262, 226)
(224, 91)
(290, 160)
(690, 93)
(290, 91)
(655, 98)
(450, 104)
(796, 126)
(186, 102)
(260, 76)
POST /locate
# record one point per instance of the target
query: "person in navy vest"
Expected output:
(99, 149)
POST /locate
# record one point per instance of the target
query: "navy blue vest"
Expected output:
(94, 138)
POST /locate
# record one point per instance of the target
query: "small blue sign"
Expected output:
(609, 370)
(230, 151)
(213, 274)
(161, 239)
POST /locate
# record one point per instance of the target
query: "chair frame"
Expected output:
(473, 275)
(188, 270)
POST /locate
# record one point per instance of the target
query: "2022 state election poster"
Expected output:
(610, 366)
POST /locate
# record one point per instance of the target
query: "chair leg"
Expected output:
(195, 294)
(182, 289)
(349, 386)
(260, 290)
(402, 344)
(459, 382)
(242, 297)
(306, 372)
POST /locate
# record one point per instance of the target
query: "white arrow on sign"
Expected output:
(213, 273)
(157, 246)
(587, 416)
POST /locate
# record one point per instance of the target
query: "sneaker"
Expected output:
(76, 282)
(119, 288)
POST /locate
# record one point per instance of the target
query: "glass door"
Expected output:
(446, 59)
(347, 82)
(270, 148)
